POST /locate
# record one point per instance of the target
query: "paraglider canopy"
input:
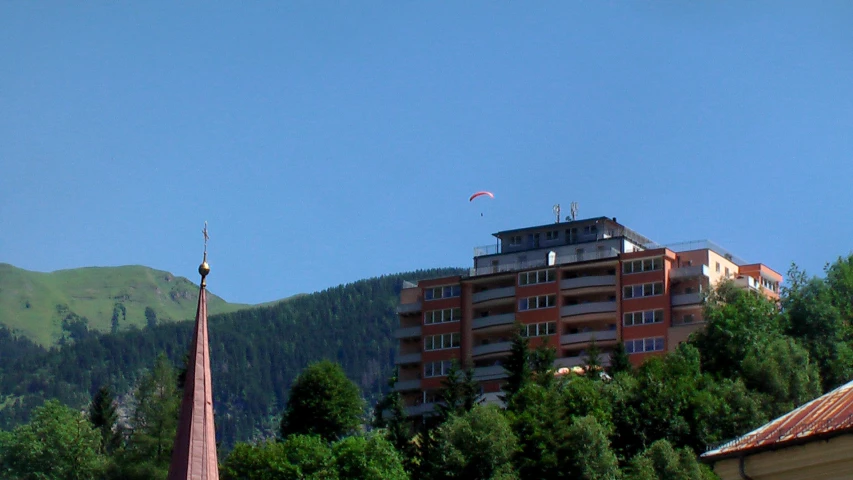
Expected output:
(480, 194)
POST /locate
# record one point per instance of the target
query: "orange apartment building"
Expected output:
(567, 283)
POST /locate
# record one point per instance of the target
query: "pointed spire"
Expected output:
(194, 453)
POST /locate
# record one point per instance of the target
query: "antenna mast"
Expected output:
(573, 211)
(557, 212)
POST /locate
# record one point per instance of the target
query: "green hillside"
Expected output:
(34, 304)
(255, 354)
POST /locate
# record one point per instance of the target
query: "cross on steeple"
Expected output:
(206, 238)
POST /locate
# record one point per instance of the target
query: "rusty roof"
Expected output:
(830, 414)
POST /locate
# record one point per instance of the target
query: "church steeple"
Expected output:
(194, 453)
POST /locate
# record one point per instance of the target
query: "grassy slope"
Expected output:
(28, 300)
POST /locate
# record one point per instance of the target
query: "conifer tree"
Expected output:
(517, 365)
(592, 364)
(103, 417)
(459, 393)
(542, 361)
(619, 359)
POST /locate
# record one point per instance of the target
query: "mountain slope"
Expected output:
(34, 304)
(255, 355)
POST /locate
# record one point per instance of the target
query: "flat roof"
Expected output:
(626, 232)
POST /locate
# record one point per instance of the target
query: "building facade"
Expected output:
(567, 284)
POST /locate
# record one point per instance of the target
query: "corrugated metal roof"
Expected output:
(831, 413)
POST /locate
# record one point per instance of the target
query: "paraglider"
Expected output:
(480, 194)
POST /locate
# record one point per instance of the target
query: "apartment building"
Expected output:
(567, 283)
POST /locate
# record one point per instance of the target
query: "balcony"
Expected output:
(408, 358)
(603, 359)
(747, 282)
(421, 409)
(486, 250)
(693, 271)
(407, 308)
(499, 347)
(584, 337)
(494, 372)
(493, 294)
(686, 299)
(591, 307)
(407, 332)
(407, 385)
(591, 281)
(561, 259)
(493, 320)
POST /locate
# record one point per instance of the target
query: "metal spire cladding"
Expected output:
(194, 452)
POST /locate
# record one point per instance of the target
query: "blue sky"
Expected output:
(327, 142)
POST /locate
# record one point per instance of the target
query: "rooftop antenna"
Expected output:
(557, 212)
(574, 211)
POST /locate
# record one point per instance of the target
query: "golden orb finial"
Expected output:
(204, 268)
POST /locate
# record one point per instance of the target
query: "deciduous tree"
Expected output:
(323, 401)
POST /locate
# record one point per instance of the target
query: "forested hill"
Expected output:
(46, 307)
(255, 354)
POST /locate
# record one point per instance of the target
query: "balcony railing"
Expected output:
(591, 307)
(405, 308)
(584, 337)
(493, 294)
(407, 385)
(560, 260)
(407, 358)
(686, 299)
(491, 348)
(494, 372)
(603, 359)
(692, 271)
(591, 281)
(486, 250)
(493, 320)
(407, 332)
(421, 409)
(700, 245)
(747, 282)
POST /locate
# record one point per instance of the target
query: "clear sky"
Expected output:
(327, 142)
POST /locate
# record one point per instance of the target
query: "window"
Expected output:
(540, 329)
(643, 318)
(718, 267)
(643, 290)
(441, 342)
(552, 235)
(727, 272)
(447, 291)
(437, 369)
(539, 276)
(533, 303)
(443, 316)
(645, 265)
(641, 345)
(515, 241)
(571, 235)
(590, 229)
